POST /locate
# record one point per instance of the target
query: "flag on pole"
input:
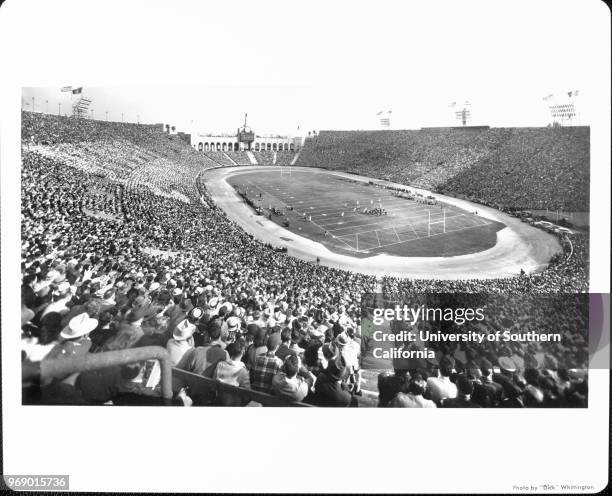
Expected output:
(66, 89)
(546, 98)
(77, 91)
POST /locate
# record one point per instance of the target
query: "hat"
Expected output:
(319, 332)
(135, 314)
(63, 287)
(199, 290)
(233, 323)
(184, 330)
(274, 340)
(177, 291)
(336, 368)
(195, 313)
(154, 286)
(213, 302)
(342, 339)
(79, 326)
(507, 363)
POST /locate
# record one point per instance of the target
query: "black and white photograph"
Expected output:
(305, 216)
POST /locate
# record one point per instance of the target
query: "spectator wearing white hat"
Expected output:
(75, 337)
(181, 341)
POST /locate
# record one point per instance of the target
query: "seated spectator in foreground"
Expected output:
(329, 388)
(266, 366)
(75, 337)
(233, 371)
(285, 348)
(203, 360)
(465, 388)
(288, 384)
(411, 394)
(130, 331)
(181, 341)
(488, 392)
(257, 348)
(441, 387)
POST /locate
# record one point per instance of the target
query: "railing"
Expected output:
(62, 367)
(217, 393)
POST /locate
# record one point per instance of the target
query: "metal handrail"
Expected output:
(62, 367)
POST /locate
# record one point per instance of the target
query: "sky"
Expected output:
(322, 65)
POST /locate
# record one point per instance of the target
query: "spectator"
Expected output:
(266, 366)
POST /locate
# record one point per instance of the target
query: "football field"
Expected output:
(333, 210)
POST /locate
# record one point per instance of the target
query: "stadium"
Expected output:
(212, 269)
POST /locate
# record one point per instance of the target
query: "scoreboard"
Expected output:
(245, 136)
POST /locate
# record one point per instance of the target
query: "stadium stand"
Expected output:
(241, 157)
(122, 247)
(264, 158)
(284, 158)
(516, 168)
(220, 158)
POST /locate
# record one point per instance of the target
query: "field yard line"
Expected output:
(396, 234)
(377, 238)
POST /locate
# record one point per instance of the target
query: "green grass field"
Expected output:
(329, 209)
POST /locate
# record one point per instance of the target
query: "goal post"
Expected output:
(285, 170)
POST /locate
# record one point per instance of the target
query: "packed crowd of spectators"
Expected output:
(518, 168)
(220, 158)
(128, 278)
(240, 157)
(264, 157)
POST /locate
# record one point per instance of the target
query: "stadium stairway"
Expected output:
(294, 160)
(252, 157)
(230, 158)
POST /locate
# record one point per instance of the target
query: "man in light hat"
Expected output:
(230, 327)
(181, 341)
(76, 337)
